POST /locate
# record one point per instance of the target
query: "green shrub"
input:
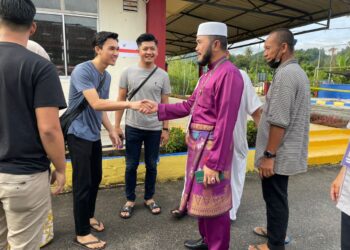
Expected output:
(183, 76)
(176, 141)
(251, 134)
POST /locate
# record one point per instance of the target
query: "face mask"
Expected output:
(274, 63)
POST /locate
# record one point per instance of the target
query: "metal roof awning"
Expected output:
(245, 19)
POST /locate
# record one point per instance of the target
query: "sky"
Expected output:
(338, 36)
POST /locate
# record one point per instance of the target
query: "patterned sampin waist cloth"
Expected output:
(198, 200)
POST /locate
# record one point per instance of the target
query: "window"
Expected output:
(66, 31)
(79, 33)
(48, 4)
(81, 5)
(49, 34)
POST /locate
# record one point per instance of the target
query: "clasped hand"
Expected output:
(145, 106)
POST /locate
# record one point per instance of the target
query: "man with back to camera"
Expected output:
(48, 231)
(283, 134)
(30, 132)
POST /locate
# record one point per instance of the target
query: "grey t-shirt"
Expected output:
(156, 86)
(88, 124)
(287, 106)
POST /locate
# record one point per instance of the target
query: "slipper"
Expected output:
(85, 245)
(176, 213)
(256, 247)
(98, 224)
(152, 206)
(126, 209)
(261, 231)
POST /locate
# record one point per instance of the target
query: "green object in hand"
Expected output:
(200, 176)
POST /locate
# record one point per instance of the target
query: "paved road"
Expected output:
(314, 220)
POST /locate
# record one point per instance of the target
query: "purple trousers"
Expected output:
(216, 231)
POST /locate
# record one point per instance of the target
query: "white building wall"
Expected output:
(129, 25)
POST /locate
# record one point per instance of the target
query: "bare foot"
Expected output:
(90, 238)
(97, 225)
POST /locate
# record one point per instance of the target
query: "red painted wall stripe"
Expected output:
(133, 51)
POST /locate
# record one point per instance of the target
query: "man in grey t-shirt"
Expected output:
(141, 128)
(283, 134)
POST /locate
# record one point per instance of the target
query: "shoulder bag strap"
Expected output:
(84, 103)
(133, 93)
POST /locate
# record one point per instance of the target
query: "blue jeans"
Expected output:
(134, 138)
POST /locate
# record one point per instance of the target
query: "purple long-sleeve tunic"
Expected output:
(217, 105)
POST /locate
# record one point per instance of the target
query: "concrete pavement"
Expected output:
(314, 220)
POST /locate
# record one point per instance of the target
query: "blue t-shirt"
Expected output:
(88, 124)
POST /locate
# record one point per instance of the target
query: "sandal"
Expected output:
(261, 231)
(153, 205)
(98, 224)
(256, 247)
(86, 244)
(176, 213)
(126, 209)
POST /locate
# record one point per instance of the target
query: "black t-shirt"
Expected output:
(27, 82)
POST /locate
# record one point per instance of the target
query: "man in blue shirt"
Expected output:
(84, 141)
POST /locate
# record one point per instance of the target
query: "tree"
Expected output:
(342, 61)
(248, 52)
(183, 76)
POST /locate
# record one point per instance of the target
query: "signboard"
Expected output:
(130, 5)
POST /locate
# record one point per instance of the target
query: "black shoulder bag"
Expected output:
(69, 116)
(133, 92)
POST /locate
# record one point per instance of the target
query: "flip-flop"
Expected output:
(85, 245)
(153, 205)
(255, 246)
(126, 209)
(176, 213)
(261, 231)
(98, 223)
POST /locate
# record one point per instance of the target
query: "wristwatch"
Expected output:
(165, 129)
(269, 155)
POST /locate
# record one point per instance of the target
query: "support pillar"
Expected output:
(156, 24)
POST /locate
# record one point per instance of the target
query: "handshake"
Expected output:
(144, 106)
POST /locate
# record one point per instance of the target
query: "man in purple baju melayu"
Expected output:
(213, 107)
